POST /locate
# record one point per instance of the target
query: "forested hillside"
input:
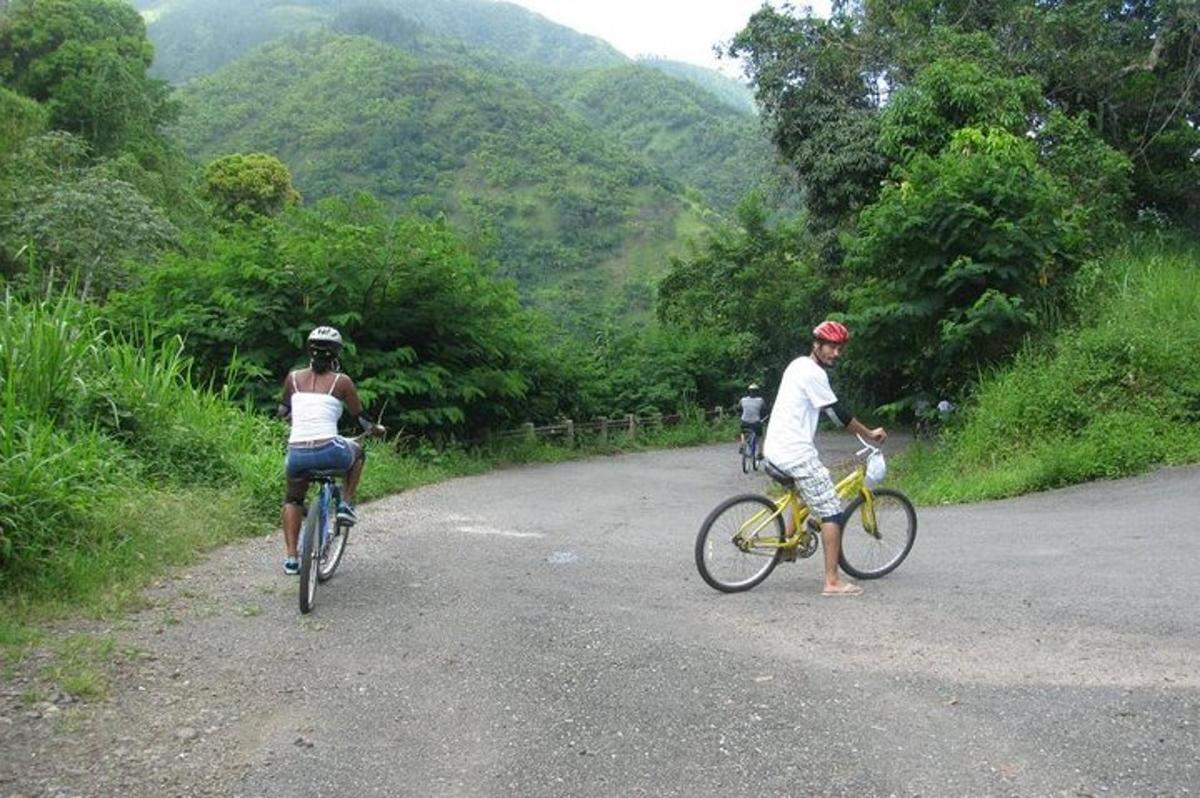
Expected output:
(599, 172)
(555, 202)
(195, 37)
(729, 91)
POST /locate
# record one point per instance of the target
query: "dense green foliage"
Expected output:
(1129, 69)
(244, 186)
(951, 187)
(1114, 394)
(196, 37)
(86, 62)
(684, 130)
(754, 284)
(536, 189)
(675, 130)
(729, 91)
(439, 340)
(20, 117)
(65, 218)
(94, 423)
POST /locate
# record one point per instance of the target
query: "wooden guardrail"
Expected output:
(629, 426)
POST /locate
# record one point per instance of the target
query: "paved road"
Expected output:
(542, 631)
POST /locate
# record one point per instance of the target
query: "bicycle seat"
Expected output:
(774, 473)
(325, 473)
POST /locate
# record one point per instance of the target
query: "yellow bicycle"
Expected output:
(743, 539)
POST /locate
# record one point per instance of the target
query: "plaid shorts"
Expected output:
(814, 485)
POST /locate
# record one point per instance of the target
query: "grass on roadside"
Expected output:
(1117, 394)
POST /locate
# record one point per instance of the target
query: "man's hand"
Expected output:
(378, 431)
(877, 435)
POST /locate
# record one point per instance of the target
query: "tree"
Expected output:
(754, 285)
(75, 221)
(244, 186)
(435, 340)
(20, 118)
(1130, 68)
(962, 252)
(86, 60)
(818, 87)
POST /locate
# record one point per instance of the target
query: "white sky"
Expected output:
(682, 30)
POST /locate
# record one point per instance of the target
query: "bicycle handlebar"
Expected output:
(868, 448)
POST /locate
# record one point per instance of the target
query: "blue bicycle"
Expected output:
(323, 537)
(750, 452)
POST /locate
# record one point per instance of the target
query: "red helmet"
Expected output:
(832, 331)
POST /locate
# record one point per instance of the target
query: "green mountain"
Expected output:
(737, 96)
(569, 213)
(685, 131)
(196, 37)
(578, 168)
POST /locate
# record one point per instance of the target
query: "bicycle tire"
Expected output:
(308, 556)
(331, 556)
(715, 544)
(745, 462)
(864, 556)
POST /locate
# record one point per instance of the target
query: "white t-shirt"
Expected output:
(804, 392)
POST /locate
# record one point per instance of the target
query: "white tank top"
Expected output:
(314, 415)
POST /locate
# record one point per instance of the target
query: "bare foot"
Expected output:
(842, 589)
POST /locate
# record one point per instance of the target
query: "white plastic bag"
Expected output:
(876, 469)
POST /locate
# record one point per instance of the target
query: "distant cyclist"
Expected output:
(753, 409)
(804, 394)
(313, 400)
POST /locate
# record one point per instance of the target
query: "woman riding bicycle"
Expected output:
(313, 400)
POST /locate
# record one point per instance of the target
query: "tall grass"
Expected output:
(112, 463)
(1116, 394)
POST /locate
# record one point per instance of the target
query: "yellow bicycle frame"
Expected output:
(854, 484)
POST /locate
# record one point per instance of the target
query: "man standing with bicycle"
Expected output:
(804, 393)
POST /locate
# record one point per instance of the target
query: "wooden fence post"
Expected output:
(530, 435)
(570, 432)
(657, 421)
(602, 433)
(720, 413)
(631, 425)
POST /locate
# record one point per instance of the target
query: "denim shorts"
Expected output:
(336, 455)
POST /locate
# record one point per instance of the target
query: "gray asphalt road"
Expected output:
(542, 631)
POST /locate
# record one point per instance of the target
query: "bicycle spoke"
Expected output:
(873, 547)
(738, 544)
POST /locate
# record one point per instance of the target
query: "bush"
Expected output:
(1115, 395)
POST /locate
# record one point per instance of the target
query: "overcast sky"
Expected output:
(682, 30)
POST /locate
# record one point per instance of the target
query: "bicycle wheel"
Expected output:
(746, 457)
(870, 556)
(334, 545)
(754, 456)
(737, 546)
(309, 541)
